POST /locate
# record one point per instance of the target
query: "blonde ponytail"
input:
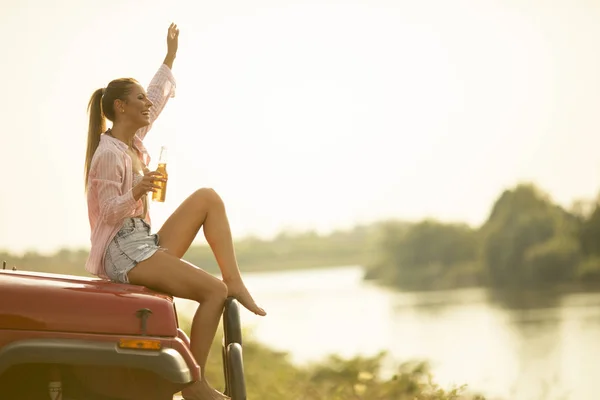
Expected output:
(96, 127)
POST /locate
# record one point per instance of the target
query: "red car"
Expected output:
(92, 339)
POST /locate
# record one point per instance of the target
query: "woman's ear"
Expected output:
(118, 104)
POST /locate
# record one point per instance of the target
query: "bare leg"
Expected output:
(168, 274)
(205, 208)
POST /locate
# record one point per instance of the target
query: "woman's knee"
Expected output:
(215, 291)
(208, 196)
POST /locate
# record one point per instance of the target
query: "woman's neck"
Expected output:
(124, 134)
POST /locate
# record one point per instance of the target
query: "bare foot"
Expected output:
(219, 396)
(216, 394)
(201, 390)
(238, 290)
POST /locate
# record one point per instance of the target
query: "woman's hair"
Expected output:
(101, 106)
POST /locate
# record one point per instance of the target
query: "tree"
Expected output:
(526, 237)
(421, 256)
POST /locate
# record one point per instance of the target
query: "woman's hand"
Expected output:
(147, 184)
(172, 39)
(172, 44)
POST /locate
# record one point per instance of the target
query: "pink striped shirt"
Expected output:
(110, 180)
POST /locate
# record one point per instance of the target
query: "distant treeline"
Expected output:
(526, 242)
(284, 252)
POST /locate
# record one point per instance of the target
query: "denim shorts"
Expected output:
(131, 245)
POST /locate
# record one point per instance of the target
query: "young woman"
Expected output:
(123, 248)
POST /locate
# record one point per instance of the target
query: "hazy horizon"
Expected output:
(307, 115)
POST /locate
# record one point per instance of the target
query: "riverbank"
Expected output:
(270, 375)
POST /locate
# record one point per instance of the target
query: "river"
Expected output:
(549, 350)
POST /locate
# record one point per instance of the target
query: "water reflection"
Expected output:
(435, 302)
(518, 345)
(536, 344)
(518, 299)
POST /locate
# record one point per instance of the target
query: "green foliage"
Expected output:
(293, 250)
(360, 378)
(589, 270)
(527, 241)
(589, 234)
(390, 233)
(425, 254)
(552, 261)
(520, 219)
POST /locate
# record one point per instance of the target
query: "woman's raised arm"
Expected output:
(162, 85)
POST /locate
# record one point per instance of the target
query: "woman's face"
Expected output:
(136, 110)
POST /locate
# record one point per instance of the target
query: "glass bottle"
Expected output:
(161, 193)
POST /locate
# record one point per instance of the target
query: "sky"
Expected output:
(306, 114)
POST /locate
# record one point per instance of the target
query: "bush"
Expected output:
(552, 261)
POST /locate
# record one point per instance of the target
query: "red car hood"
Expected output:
(65, 303)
